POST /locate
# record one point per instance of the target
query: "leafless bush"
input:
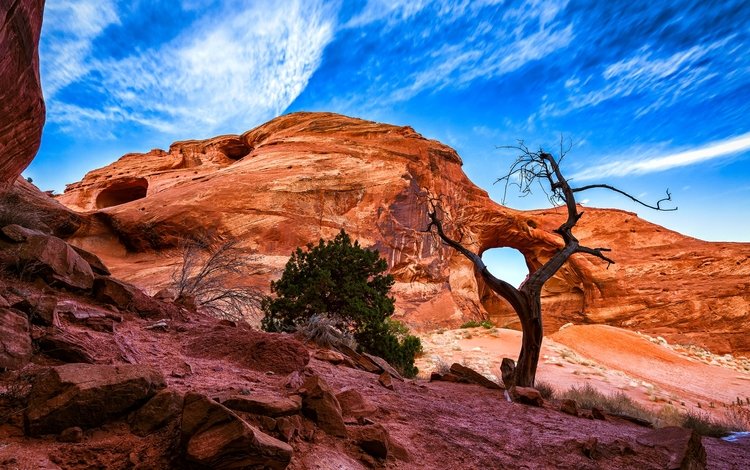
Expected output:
(545, 389)
(322, 331)
(13, 210)
(215, 276)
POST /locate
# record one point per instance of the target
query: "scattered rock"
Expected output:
(294, 380)
(473, 376)
(40, 309)
(569, 406)
(373, 439)
(360, 361)
(168, 294)
(87, 395)
(158, 411)
(589, 447)
(508, 372)
(15, 340)
(329, 355)
(448, 377)
(289, 427)
(266, 405)
(385, 380)
(527, 396)
(320, 404)
(596, 413)
(212, 436)
(384, 366)
(686, 451)
(354, 405)
(71, 435)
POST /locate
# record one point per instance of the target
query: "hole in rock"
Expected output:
(121, 192)
(507, 264)
(235, 149)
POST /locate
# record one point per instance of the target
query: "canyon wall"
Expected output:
(22, 109)
(304, 176)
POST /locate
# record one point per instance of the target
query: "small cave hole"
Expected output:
(235, 149)
(121, 192)
(507, 264)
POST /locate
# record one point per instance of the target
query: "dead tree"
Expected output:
(532, 168)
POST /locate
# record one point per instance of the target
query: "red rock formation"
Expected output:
(21, 101)
(304, 176)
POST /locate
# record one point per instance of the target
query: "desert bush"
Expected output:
(476, 324)
(704, 425)
(215, 276)
(545, 389)
(349, 286)
(320, 330)
(617, 403)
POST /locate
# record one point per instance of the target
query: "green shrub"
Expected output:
(349, 286)
(476, 324)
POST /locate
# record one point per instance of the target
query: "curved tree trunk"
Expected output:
(531, 343)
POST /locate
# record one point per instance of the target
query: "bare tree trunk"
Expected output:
(531, 342)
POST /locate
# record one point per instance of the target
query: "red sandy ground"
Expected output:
(443, 425)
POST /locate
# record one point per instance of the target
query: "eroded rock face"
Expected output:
(21, 101)
(15, 340)
(304, 176)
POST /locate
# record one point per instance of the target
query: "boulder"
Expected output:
(527, 396)
(385, 380)
(71, 435)
(48, 256)
(372, 438)
(40, 309)
(128, 297)
(473, 376)
(214, 437)
(87, 395)
(94, 261)
(266, 405)
(64, 346)
(684, 447)
(354, 405)
(158, 411)
(596, 413)
(569, 406)
(320, 404)
(15, 340)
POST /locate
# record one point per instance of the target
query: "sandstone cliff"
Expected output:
(21, 101)
(304, 176)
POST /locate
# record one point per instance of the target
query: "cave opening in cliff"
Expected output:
(235, 149)
(507, 264)
(121, 192)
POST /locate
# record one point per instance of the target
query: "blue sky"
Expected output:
(652, 95)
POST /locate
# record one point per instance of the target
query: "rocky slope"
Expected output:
(21, 101)
(304, 176)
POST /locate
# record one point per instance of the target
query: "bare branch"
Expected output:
(657, 207)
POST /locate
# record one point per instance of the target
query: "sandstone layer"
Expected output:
(304, 176)
(21, 102)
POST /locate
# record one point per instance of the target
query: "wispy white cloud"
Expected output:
(231, 70)
(69, 29)
(662, 79)
(491, 48)
(711, 151)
